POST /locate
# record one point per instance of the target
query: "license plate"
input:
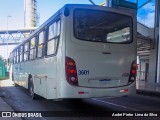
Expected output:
(104, 81)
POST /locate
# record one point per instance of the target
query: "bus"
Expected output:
(82, 51)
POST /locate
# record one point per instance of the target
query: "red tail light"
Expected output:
(133, 72)
(71, 71)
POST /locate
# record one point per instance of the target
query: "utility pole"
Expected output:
(92, 2)
(7, 39)
(7, 32)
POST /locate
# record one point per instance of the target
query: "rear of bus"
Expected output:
(100, 52)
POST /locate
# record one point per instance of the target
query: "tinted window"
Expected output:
(40, 48)
(101, 26)
(21, 53)
(32, 48)
(26, 51)
(53, 36)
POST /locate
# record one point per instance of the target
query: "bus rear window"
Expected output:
(102, 26)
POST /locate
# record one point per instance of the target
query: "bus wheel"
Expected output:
(31, 89)
(15, 84)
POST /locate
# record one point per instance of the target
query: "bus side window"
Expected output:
(26, 51)
(14, 56)
(21, 53)
(40, 44)
(32, 48)
(53, 37)
(18, 56)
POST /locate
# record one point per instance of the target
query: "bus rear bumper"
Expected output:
(82, 92)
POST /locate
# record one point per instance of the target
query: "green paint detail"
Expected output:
(2, 69)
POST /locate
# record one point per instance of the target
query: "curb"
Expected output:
(148, 93)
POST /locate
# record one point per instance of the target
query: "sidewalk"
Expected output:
(4, 107)
(144, 88)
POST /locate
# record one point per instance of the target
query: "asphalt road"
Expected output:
(19, 99)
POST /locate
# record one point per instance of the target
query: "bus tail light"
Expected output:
(71, 71)
(125, 90)
(133, 72)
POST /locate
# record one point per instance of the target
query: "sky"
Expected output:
(146, 14)
(46, 8)
(15, 9)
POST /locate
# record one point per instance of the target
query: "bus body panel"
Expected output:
(96, 69)
(46, 73)
(84, 92)
(61, 54)
(101, 64)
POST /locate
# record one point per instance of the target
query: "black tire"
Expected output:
(31, 89)
(16, 85)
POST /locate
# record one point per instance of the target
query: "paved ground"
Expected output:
(19, 99)
(148, 89)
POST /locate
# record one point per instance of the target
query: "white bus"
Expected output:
(82, 51)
